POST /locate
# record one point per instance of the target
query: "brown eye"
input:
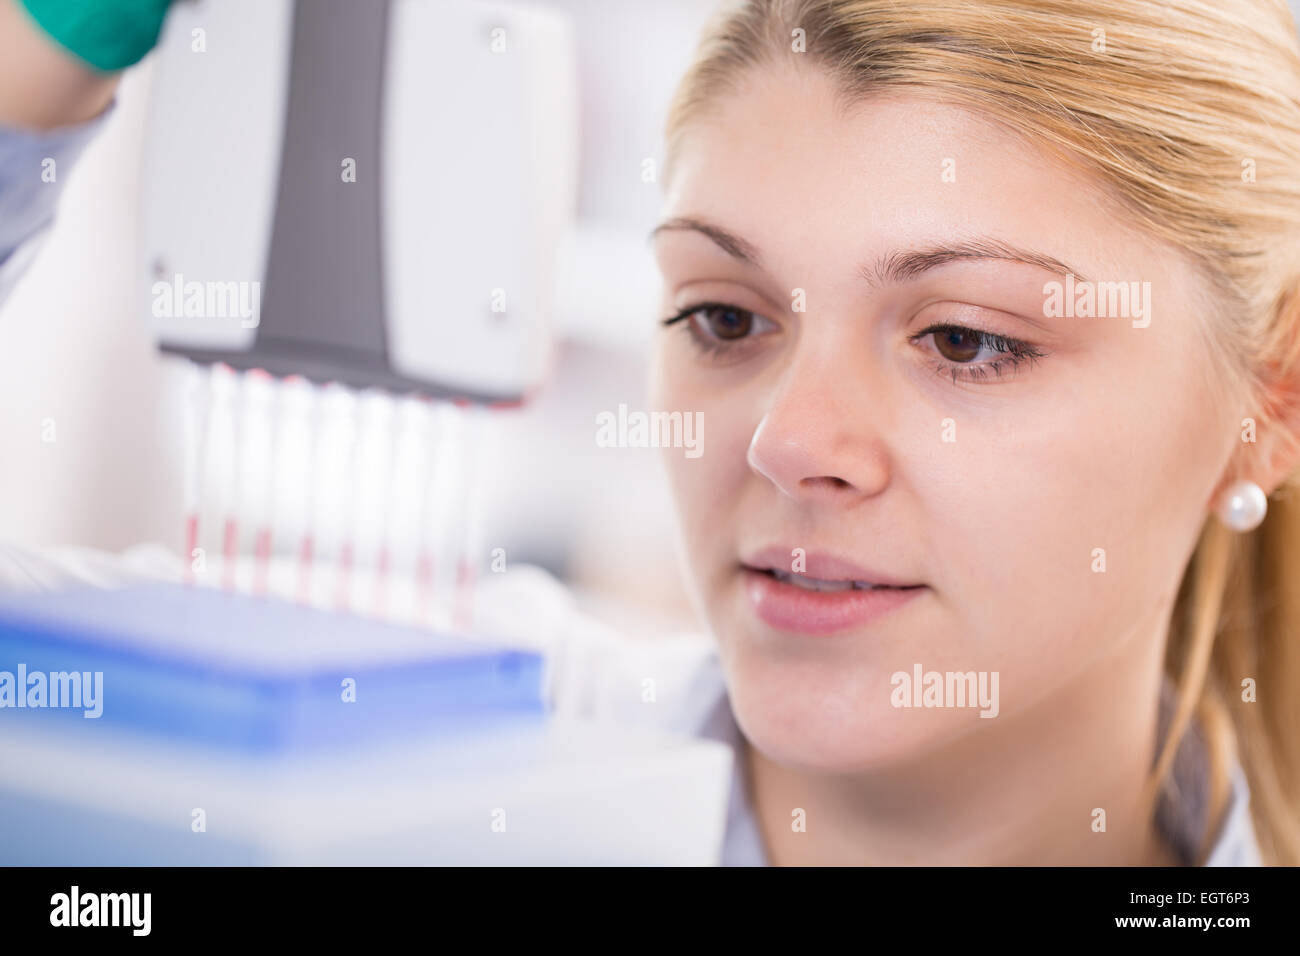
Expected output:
(725, 322)
(958, 345)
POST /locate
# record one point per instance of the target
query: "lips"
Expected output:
(831, 595)
(822, 566)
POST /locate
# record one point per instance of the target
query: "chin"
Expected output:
(819, 716)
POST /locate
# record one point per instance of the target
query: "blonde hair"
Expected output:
(1188, 112)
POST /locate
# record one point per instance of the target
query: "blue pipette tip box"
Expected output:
(202, 666)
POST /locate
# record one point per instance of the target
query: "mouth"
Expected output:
(823, 584)
(831, 597)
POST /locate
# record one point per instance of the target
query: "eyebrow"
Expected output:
(731, 244)
(902, 265)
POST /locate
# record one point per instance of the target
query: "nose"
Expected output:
(822, 439)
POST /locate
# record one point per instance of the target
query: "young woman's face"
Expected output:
(993, 472)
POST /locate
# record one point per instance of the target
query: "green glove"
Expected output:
(109, 35)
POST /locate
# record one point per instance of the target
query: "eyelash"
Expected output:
(1016, 352)
(709, 347)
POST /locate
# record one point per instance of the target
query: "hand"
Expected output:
(58, 58)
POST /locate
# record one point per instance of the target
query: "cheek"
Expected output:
(707, 489)
(1061, 529)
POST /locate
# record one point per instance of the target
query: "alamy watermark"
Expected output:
(946, 689)
(75, 908)
(632, 429)
(70, 689)
(1102, 300)
(179, 299)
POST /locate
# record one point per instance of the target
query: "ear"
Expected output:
(1270, 438)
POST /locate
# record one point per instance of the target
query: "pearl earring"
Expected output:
(1243, 506)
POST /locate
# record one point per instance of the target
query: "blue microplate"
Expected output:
(198, 665)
